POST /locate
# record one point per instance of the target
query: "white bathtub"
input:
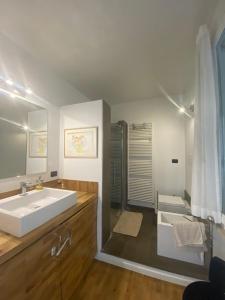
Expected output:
(166, 243)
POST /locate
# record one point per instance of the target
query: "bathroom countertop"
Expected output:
(10, 245)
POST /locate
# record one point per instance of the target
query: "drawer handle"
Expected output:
(53, 251)
(67, 241)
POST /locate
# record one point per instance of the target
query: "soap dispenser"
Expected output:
(39, 185)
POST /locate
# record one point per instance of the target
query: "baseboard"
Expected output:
(140, 203)
(145, 270)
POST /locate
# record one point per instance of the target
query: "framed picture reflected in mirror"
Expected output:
(38, 144)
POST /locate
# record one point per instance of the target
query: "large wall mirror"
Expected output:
(23, 137)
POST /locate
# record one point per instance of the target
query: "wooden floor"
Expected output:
(107, 282)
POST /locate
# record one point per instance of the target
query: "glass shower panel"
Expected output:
(116, 173)
(118, 193)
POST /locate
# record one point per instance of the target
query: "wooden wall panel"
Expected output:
(9, 194)
(82, 186)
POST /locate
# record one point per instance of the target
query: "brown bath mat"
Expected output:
(129, 223)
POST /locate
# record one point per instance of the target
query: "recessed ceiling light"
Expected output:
(29, 91)
(9, 82)
(25, 127)
(12, 95)
(182, 110)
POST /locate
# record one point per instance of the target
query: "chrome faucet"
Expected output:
(24, 186)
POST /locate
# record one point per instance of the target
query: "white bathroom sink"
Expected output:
(21, 214)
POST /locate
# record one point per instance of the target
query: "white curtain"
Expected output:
(206, 188)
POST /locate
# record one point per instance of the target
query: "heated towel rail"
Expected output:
(140, 179)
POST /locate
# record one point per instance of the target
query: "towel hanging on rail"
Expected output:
(190, 234)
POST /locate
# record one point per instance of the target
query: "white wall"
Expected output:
(189, 142)
(88, 114)
(168, 139)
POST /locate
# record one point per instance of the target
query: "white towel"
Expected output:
(190, 234)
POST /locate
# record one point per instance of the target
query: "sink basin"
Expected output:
(21, 214)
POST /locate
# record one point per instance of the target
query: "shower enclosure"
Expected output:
(132, 194)
(118, 193)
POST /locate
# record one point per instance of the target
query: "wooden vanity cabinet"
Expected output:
(77, 258)
(32, 274)
(37, 273)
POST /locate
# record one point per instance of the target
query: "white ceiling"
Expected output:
(117, 50)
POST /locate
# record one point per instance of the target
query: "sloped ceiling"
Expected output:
(117, 50)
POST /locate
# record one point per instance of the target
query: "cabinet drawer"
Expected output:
(77, 258)
(32, 274)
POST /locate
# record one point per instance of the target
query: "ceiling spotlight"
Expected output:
(182, 110)
(25, 127)
(9, 82)
(12, 95)
(29, 91)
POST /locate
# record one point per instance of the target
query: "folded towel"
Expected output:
(190, 234)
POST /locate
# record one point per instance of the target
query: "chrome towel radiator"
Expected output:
(140, 179)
